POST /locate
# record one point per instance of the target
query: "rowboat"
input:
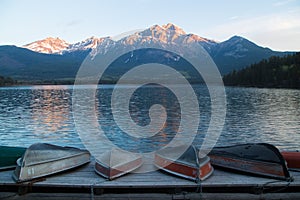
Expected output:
(258, 159)
(42, 159)
(292, 158)
(9, 156)
(184, 162)
(115, 163)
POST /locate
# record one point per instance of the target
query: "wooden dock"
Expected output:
(84, 183)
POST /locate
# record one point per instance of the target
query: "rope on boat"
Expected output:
(25, 187)
(198, 180)
(294, 170)
(93, 185)
(92, 192)
(267, 189)
(199, 186)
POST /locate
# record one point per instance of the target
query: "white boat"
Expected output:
(115, 163)
(43, 159)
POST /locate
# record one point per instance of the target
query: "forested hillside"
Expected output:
(5, 81)
(277, 72)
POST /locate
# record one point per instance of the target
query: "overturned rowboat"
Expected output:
(183, 161)
(115, 163)
(293, 159)
(9, 156)
(258, 159)
(43, 159)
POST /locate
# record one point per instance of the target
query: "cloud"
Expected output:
(282, 3)
(234, 17)
(262, 28)
(262, 24)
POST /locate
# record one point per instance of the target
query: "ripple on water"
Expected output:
(44, 114)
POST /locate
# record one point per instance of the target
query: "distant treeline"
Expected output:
(7, 81)
(46, 82)
(276, 72)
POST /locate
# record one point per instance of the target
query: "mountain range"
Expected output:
(56, 59)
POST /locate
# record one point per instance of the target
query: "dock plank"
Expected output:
(85, 178)
(145, 196)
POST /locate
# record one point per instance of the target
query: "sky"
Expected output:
(268, 23)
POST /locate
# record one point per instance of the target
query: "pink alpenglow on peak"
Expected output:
(49, 45)
(162, 35)
(172, 27)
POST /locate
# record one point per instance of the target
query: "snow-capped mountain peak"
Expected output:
(48, 45)
(172, 27)
(166, 33)
(89, 43)
(58, 46)
(161, 35)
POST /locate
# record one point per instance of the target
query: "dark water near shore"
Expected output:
(44, 114)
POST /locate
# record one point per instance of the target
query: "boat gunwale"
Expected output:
(231, 155)
(267, 145)
(120, 164)
(7, 167)
(245, 159)
(198, 168)
(252, 172)
(176, 173)
(115, 166)
(207, 159)
(23, 164)
(122, 171)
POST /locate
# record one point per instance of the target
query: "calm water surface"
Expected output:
(44, 114)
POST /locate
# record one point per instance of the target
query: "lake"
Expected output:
(30, 114)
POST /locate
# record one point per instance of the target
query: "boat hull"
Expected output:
(116, 163)
(256, 159)
(253, 167)
(292, 158)
(44, 167)
(9, 156)
(113, 173)
(186, 165)
(184, 170)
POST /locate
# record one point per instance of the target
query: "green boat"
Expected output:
(9, 156)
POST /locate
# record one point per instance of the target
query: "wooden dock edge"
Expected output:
(23, 188)
(150, 196)
(32, 191)
(84, 183)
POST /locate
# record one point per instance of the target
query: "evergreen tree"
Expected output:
(278, 72)
(6, 81)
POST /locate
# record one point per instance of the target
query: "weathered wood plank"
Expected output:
(85, 177)
(158, 196)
